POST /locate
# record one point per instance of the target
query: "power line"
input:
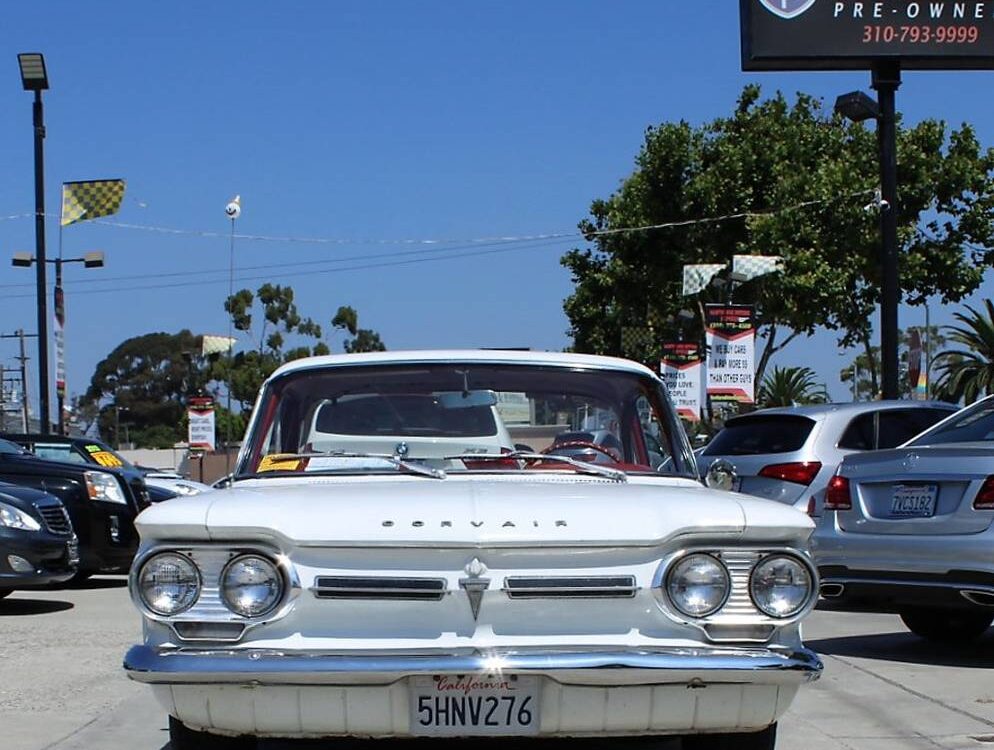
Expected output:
(269, 266)
(271, 275)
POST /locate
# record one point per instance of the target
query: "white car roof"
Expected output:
(487, 356)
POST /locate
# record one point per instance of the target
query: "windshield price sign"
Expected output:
(854, 34)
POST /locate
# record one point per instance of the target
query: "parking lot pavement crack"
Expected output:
(839, 742)
(917, 694)
(74, 732)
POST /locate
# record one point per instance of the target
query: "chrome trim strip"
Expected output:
(623, 666)
(577, 587)
(379, 587)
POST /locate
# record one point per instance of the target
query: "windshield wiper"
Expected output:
(400, 463)
(582, 467)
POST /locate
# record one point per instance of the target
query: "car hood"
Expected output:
(491, 512)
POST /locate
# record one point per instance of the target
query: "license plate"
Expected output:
(72, 552)
(913, 501)
(474, 705)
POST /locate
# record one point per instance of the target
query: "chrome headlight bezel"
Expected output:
(804, 603)
(138, 588)
(277, 575)
(674, 568)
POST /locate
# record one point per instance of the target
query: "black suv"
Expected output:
(102, 502)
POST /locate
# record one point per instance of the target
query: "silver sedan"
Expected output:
(909, 530)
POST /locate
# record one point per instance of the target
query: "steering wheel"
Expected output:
(584, 444)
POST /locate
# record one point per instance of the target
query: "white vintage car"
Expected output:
(408, 550)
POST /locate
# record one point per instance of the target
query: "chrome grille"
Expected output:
(56, 519)
(379, 587)
(740, 564)
(570, 587)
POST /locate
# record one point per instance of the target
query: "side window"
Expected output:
(652, 433)
(898, 426)
(859, 434)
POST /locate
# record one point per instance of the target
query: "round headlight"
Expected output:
(169, 583)
(698, 585)
(251, 586)
(780, 586)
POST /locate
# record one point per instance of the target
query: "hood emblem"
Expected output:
(474, 585)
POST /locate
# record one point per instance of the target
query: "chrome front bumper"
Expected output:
(691, 666)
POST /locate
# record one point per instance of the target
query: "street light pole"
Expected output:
(886, 80)
(34, 77)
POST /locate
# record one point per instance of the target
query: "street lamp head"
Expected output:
(857, 106)
(94, 259)
(34, 76)
(23, 259)
(738, 277)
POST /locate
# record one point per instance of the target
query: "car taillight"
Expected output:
(985, 498)
(837, 496)
(801, 472)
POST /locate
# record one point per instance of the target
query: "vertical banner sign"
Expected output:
(60, 345)
(200, 413)
(681, 368)
(731, 342)
(917, 378)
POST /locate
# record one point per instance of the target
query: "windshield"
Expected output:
(9, 448)
(971, 425)
(458, 417)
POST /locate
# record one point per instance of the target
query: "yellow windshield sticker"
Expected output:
(106, 458)
(280, 462)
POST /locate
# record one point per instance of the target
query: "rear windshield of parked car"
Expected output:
(972, 425)
(755, 435)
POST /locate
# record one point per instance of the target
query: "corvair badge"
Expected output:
(475, 585)
(478, 524)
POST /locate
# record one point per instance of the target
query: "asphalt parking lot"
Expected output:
(61, 686)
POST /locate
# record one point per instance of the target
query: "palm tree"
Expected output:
(790, 386)
(968, 373)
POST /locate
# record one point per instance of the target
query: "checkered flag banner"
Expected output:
(751, 266)
(697, 277)
(90, 199)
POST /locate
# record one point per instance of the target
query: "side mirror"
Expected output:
(720, 475)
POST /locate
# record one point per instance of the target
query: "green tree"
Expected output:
(968, 373)
(791, 386)
(147, 378)
(363, 339)
(797, 179)
(278, 321)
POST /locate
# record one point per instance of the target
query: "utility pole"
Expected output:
(886, 79)
(23, 359)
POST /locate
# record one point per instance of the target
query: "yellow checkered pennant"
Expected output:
(90, 199)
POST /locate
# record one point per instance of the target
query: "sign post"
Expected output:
(883, 36)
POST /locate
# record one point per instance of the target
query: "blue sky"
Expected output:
(366, 122)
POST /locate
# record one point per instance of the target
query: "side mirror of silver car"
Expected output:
(720, 475)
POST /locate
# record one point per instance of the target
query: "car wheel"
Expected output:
(946, 626)
(5, 592)
(764, 740)
(181, 737)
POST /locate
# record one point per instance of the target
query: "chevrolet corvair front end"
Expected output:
(386, 566)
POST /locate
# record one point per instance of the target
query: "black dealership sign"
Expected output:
(856, 34)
